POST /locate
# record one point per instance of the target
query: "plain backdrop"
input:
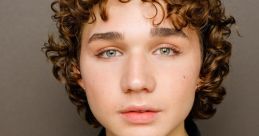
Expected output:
(33, 103)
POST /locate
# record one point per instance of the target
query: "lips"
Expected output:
(139, 114)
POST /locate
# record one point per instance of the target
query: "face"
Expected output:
(139, 79)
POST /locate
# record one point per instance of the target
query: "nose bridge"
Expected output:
(138, 74)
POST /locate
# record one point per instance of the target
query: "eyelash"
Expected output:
(102, 51)
(170, 47)
(173, 49)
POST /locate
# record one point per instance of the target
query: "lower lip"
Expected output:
(139, 117)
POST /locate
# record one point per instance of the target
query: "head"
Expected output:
(165, 57)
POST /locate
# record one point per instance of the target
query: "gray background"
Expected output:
(33, 103)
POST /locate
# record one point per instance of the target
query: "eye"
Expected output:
(167, 51)
(108, 53)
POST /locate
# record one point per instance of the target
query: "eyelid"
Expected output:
(102, 51)
(175, 49)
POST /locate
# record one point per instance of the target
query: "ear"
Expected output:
(81, 84)
(79, 81)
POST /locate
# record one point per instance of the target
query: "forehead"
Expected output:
(132, 15)
(132, 19)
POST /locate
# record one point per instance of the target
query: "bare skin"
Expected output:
(128, 62)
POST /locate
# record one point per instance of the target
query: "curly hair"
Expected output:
(207, 16)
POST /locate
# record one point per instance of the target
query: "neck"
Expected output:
(179, 131)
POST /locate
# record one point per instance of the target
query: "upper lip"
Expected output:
(139, 109)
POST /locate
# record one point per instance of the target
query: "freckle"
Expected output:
(184, 77)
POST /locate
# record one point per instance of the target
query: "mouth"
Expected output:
(139, 114)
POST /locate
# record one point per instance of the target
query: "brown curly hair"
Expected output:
(207, 16)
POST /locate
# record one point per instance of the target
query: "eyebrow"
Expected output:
(154, 32)
(109, 36)
(165, 32)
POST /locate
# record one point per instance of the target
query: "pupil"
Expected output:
(165, 51)
(110, 53)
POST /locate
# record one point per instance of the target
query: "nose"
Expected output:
(138, 75)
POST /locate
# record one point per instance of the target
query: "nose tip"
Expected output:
(144, 84)
(138, 76)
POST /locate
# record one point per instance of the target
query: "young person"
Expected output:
(142, 67)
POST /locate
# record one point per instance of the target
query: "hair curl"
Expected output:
(207, 16)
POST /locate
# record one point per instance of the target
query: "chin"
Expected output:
(141, 131)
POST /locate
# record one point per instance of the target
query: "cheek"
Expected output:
(179, 76)
(178, 92)
(181, 85)
(101, 83)
(178, 82)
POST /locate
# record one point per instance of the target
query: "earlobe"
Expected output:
(79, 81)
